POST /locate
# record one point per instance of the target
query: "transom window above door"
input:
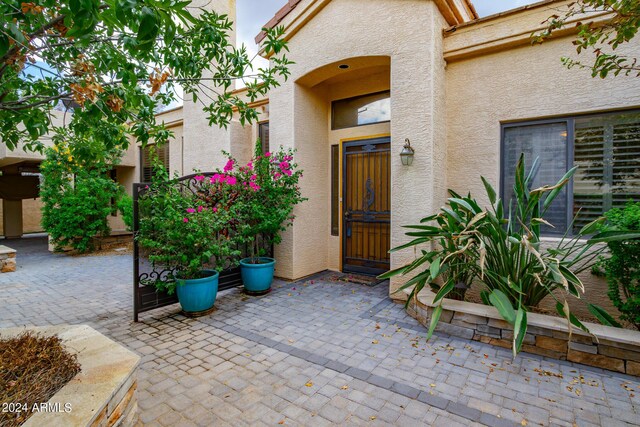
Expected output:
(606, 149)
(361, 110)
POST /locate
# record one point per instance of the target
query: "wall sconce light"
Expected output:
(407, 153)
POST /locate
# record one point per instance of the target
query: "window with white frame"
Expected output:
(606, 150)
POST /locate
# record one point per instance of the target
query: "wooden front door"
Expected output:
(366, 207)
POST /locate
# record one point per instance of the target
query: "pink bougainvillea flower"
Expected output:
(284, 165)
(199, 178)
(190, 210)
(267, 154)
(217, 177)
(215, 209)
(231, 180)
(200, 209)
(277, 175)
(254, 186)
(287, 172)
(287, 158)
(229, 166)
(253, 177)
(250, 165)
(185, 219)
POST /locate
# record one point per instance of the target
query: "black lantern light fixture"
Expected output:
(407, 153)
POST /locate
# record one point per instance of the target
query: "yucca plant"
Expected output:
(502, 249)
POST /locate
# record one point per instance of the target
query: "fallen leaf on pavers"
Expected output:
(524, 423)
(432, 385)
(281, 422)
(309, 384)
(377, 325)
(374, 342)
(372, 417)
(247, 354)
(344, 387)
(289, 294)
(290, 341)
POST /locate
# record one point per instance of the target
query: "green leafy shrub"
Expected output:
(76, 192)
(124, 205)
(181, 231)
(622, 268)
(502, 249)
(186, 226)
(262, 195)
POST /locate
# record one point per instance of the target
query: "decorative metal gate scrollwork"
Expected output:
(145, 295)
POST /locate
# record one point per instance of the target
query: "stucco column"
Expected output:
(417, 113)
(281, 134)
(203, 143)
(12, 218)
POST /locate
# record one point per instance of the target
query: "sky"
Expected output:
(251, 15)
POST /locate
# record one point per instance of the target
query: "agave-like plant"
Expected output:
(502, 249)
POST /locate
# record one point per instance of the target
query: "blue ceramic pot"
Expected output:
(257, 278)
(196, 295)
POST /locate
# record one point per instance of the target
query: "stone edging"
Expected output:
(103, 393)
(7, 259)
(615, 349)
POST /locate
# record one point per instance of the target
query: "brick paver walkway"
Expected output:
(314, 353)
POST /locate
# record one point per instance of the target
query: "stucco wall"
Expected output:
(203, 143)
(519, 84)
(409, 33)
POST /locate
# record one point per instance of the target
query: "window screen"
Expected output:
(146, 167)
(548, 143)
(361, 110)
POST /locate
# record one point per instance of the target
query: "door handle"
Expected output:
(347, 217)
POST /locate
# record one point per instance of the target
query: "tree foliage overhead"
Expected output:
(118, 61)
(600, 37)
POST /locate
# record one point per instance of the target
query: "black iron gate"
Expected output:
(145, 295)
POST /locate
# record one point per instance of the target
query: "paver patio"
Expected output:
(315, 352)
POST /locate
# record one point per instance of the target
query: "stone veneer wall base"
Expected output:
(103, 393)
(614, 349)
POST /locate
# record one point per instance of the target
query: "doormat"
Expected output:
(360, 279)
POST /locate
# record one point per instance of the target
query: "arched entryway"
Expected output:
(343, 137)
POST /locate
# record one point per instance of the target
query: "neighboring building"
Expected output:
(19, 187)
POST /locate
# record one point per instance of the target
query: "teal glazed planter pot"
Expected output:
(257, 278)
(197, 296)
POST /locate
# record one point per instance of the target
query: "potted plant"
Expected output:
(187, 237)
(268, 191)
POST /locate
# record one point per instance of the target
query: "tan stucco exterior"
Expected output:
(454, 80)
(300, 111)
(452, 87)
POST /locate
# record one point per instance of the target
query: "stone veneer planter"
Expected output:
(7, 259)
(615, 349)
(103, 393)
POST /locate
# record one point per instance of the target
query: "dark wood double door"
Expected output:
(366, 207)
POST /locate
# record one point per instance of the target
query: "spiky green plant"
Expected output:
(502, 248)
